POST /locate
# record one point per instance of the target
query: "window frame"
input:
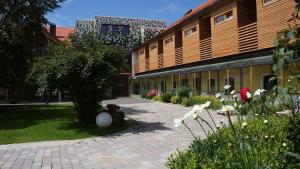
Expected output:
(226, 19)
(268, 3)
(193, 31)
(153, 47)
(169, 41)
(142, 52)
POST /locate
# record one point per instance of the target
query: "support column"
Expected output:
(241, 78)
(218, 83)
(209, 82)
(194, 82)
(251, 78)
(179, 83)
(227, 80)
(200, 83)
(172, 82)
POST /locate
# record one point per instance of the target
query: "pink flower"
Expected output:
(152, 93)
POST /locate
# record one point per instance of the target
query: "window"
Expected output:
(104, 29)
(115, 29)
(212, 86)
(170, 40)
(142, 52)
(269, 82)
(190, 31)
(224, 17)
(185, 82)
(125, 29)
(268, 2)
(153, 47)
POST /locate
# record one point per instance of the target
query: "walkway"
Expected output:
(145, 145)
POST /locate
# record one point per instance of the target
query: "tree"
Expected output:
(21, 26)
(85, 67)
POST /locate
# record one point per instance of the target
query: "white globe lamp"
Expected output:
(103, 120)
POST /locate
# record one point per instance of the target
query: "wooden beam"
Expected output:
(251, 78)
(179, 83)
(209, 82)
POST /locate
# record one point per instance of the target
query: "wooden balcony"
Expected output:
(179, 56)
(160, 61)
(248, 38)
(205, 49)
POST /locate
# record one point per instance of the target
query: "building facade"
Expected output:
(217, 43)
(128, 32)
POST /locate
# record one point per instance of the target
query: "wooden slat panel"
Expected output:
(205, 49)
(248, 38)
(179, 56)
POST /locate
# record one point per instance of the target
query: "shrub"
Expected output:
(183, 92)
(166, 98)
(258, 144)
(156, 98)
(175, 100)
(144, 94)
(187, 102)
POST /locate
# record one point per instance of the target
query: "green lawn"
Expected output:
(19, 124)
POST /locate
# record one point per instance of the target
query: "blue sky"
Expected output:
(168, 10)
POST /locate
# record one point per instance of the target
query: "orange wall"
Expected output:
(271, 19)
(153, 56)
(191, 47)
(142, 60)
(169, 51)
(224, 35)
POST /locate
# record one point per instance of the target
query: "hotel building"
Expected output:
(220, 42)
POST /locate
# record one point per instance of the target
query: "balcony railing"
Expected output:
(248, 38)
(179, 56)
(160, 60)
(205, 49)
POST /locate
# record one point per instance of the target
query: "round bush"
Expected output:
(175, 100)
(184, 92)
(166, 98)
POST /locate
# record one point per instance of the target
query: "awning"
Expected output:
(262, 60)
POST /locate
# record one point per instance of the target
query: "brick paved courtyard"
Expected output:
(145, 145)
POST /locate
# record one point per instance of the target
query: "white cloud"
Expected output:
(67, 2)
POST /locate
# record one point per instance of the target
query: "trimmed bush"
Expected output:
(156, 98)
(183, 92)
(197, 100)
(175, 100)
(166, 98)
(187, 102)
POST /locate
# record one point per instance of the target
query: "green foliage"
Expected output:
(166, 97)
(197, 100)
(21, 29)
(144, 93)
(259, 144)
(294, 132)
(84, 67)
(21, 124)
(175, 100)
(156, 98)
(183, 92)
(187, 101)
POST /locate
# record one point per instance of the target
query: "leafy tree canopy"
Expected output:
(85, 67)
(21, 24)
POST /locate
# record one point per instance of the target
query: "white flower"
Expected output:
(266, 137)
(240, 106)
(235, 104)
(232, 92)
(248, 94)
(244, 125)
(266, 121)
(256, 114)
(235, 96)
(284, 144)
(218, 126)
(218, 95)
(178, 122)
(222, 100)
(289, 80)
(207, 104)
(258, 92)
(226, 87)
(227, 108)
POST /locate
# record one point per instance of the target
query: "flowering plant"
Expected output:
(245, 95)
(152, 93)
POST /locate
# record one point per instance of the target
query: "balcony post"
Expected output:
(179, 83)
(209, 82)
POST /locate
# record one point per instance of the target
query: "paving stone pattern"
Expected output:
(145, 145)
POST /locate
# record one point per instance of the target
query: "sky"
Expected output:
(167, 10)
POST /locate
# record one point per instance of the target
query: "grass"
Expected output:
(20, 124)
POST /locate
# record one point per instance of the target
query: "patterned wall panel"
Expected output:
(130, 32)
